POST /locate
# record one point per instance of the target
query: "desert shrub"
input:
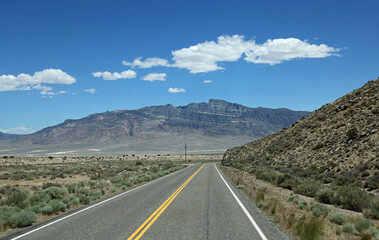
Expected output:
(6, 212)
(73, 201)
(319, 209)
(309, 230)
(260, 204)
(57, 205)
(18, 199)
(347, 227)
(82, 190)
(352, 134)
(38, 197)
(366, 236)
(50, 184)
(325, 195)
(47, 210)
(23, 219)
(71, 188)
(293, 199)
(260, 195)
(372, 182)
(308, 187)
(36, 208)
(266, 175)
(373, 231)
(337, 218)
(352, 198)
(362, 224)
(286, 181)
(84, 199)
(302, 204)
(56, 192)
(373, 210)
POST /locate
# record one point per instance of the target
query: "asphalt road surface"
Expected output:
(198, 202)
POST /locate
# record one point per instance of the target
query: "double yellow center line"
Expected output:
(146, 225)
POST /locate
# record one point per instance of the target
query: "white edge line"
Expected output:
(243, 208)
(97, 204)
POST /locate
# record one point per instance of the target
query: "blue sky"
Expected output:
(82, 57)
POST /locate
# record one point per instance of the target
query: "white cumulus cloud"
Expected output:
(114, 76)
(207, 81)
(155, 77)
(176, 90)
(28, 82)
(206, 56)
(283, 49)
(148, 63)
(91, 90)
(17, 130)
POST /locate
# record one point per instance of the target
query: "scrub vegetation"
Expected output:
(298, 210)
(35, 191)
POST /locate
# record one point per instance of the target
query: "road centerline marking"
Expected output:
(243, 208)
(153, 217)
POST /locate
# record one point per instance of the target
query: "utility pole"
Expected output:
(185, 152)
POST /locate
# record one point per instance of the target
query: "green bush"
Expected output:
(57, 205)
(38, 197)
(6, 212)
(260, 204)
(47, 210)
(302, 204)
(74, 201)
(362, 224)
(18, 199)
(84, 199)
(347, 227)
(373, 210)
(286, 181)
(337, 218)
(325, 195)
(352, 198)
(56, 192)
(23, 219)
(373, 231)
(318, 210)
(308, 187)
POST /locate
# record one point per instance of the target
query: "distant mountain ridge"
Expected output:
(155, 125)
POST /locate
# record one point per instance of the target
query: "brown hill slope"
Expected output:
(337, 143)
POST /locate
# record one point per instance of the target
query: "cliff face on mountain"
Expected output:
(338, 141)
(195, 122)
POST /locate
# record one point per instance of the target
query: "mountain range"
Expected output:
(208, 126)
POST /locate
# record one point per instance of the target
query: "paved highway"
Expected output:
(198, 202)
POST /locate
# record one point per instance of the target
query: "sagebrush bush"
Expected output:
(362, 224)
(47, 210)
(337, 218)
(373, 231)
(56, 192)
(38, 197)
(18, 199)
(6, 212)
(57, 205)
(352, 198)
(319, 209)
(84, 199)
(308, 187)
(23, 219)
(347, 227)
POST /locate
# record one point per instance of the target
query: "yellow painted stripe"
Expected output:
(146, 225)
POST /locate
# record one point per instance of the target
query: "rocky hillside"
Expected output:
(215, 125)
(339, 141)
